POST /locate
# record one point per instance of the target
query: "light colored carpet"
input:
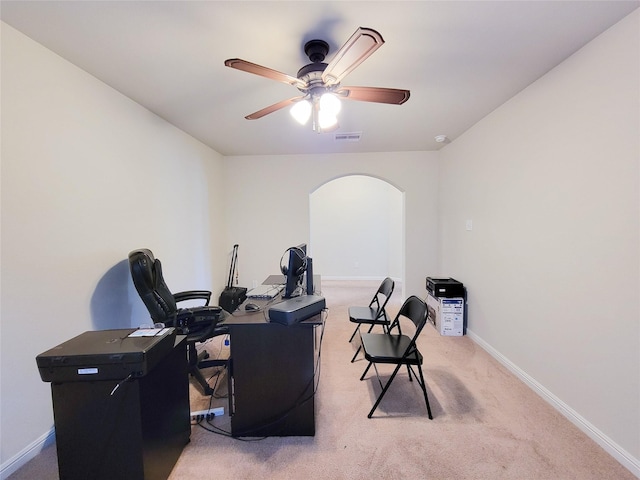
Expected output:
(487, 423)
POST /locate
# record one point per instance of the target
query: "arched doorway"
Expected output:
(357, 229)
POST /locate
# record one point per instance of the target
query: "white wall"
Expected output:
(87, 176)
(550, 180)
(280, 186)
(357, 228)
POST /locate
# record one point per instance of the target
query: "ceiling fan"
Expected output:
(319, 82)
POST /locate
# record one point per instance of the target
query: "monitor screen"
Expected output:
(294, 270)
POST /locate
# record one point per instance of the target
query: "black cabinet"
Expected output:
(137, 431)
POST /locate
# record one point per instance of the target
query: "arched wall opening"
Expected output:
(357, 229)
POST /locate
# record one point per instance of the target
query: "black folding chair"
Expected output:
(397, 348)
(375, 313)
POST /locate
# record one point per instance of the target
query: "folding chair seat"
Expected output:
(398, 349)
(373, 314)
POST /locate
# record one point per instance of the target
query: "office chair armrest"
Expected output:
(199, 323)
(193, 295)
(206, 333)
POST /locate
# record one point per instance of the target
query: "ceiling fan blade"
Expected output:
(273, 108)
(374, 94)
(249, 67)
(356, 50)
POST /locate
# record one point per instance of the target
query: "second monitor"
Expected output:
(294, 270)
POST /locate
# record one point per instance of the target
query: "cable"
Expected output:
(217, 374)
(120, 383)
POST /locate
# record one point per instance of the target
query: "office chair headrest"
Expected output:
(141, 264)
(141, 252)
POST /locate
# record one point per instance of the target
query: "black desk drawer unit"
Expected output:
(273, 380)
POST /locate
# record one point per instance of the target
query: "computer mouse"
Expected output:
(251, 307)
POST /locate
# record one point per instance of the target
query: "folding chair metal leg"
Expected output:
(424, 390)
(366, 370)
(354, 333)
(360, 346)
(353, 359)
(384, 390)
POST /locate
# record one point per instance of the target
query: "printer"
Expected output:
(445, 287)
(106, 355)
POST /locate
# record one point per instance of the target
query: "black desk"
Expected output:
(273, 374)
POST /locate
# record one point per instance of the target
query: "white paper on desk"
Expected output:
(149, 332)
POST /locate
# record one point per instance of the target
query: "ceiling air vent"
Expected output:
(348, 137)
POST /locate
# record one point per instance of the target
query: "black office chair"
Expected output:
(375, 313)
(398, 349)
(197, 323)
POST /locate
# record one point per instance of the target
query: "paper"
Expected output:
(149, 332)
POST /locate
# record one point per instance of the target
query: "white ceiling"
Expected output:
(460, 59)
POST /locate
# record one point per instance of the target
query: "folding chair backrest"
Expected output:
(415, 310)
(382, 296)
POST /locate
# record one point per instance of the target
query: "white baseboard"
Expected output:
(29, 452)
(612, 448)
(351, 278)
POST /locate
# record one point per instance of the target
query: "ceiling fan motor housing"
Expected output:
(316, 50)
(312, 73)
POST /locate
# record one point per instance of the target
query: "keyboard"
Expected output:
(265, 291)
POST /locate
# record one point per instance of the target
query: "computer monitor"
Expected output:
(294, 270)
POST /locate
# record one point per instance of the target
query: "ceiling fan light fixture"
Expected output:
(325, 112)
(301, 111)
(330, 104)
(326, 120)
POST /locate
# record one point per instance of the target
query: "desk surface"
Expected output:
(276, 280)
(242, 316)
(247, 317)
